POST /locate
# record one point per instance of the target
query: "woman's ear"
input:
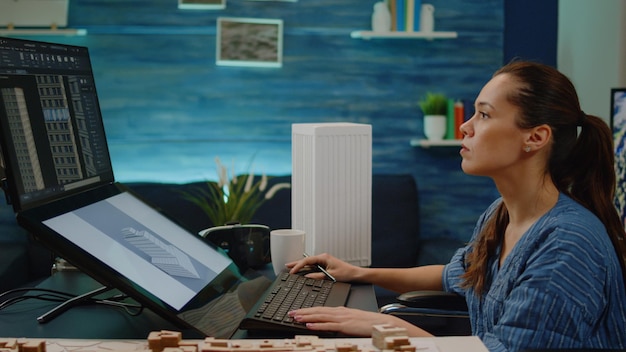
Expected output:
(539, 136)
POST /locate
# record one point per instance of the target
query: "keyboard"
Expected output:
(289, 292)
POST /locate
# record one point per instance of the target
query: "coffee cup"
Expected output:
(286, 245)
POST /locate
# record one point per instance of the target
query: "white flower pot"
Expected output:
(435, 127)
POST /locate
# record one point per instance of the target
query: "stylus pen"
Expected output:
(322, 269)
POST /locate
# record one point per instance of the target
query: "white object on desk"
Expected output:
(286, 245)
(332, 189)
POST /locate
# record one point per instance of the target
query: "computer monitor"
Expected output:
(60, 181)
(51, 131)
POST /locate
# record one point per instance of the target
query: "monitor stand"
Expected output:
(4, 185)
(72, 302)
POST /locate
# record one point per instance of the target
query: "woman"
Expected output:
(545, 265)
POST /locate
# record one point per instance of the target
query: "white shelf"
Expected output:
(42, 31)
(425, 143)
(403, 35)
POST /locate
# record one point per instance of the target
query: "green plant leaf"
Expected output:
(233, 202)
(434, 104)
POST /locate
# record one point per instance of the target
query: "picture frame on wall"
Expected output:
(202, 4)
(618, 128)
(252, 42)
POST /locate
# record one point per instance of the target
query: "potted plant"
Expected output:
(233, 199)
(230, 203)
(435, 109)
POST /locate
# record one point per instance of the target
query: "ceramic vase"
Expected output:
(435, 127)
(381, 18)
(427, 18)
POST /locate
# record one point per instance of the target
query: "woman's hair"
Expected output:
(581, 165)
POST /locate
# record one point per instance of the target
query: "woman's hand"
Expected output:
(339, 269)
(349, 321)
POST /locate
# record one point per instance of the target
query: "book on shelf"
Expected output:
(408, 13)
(450, 126)
(405, 15)
(393, 12)
(400, 14)
(457, 114)
(459, 118)
(413, 8)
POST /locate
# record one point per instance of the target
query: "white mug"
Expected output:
(286, 245)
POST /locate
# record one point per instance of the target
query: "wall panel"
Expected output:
(169, 110)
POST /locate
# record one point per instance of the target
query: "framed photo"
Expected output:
(249, 42)
(201, 4)
(618, 127)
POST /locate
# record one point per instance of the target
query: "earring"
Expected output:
(527, 148)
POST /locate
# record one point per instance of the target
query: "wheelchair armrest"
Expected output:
(440, 313)
(433, 300)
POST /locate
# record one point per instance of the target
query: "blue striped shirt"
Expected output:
(560, 287)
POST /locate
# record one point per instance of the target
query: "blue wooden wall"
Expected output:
(169, 110)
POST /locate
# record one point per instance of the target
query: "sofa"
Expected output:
(396, 240)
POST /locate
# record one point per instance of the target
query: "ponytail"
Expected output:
(593, 180)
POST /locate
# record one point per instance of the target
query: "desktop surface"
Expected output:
(105, 322)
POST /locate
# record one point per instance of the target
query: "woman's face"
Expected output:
(492, 142)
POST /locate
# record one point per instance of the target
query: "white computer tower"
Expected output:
(332, 188)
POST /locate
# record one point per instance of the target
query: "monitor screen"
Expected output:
(150, 250)
(115, 237)
(618, 124)
(51, 132)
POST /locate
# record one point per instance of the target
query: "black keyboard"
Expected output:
(289, 292)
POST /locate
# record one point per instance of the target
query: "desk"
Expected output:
(425, 344)
(103, 322)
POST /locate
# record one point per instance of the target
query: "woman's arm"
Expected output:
(396, 279)
(406, 279)
(349, 321)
